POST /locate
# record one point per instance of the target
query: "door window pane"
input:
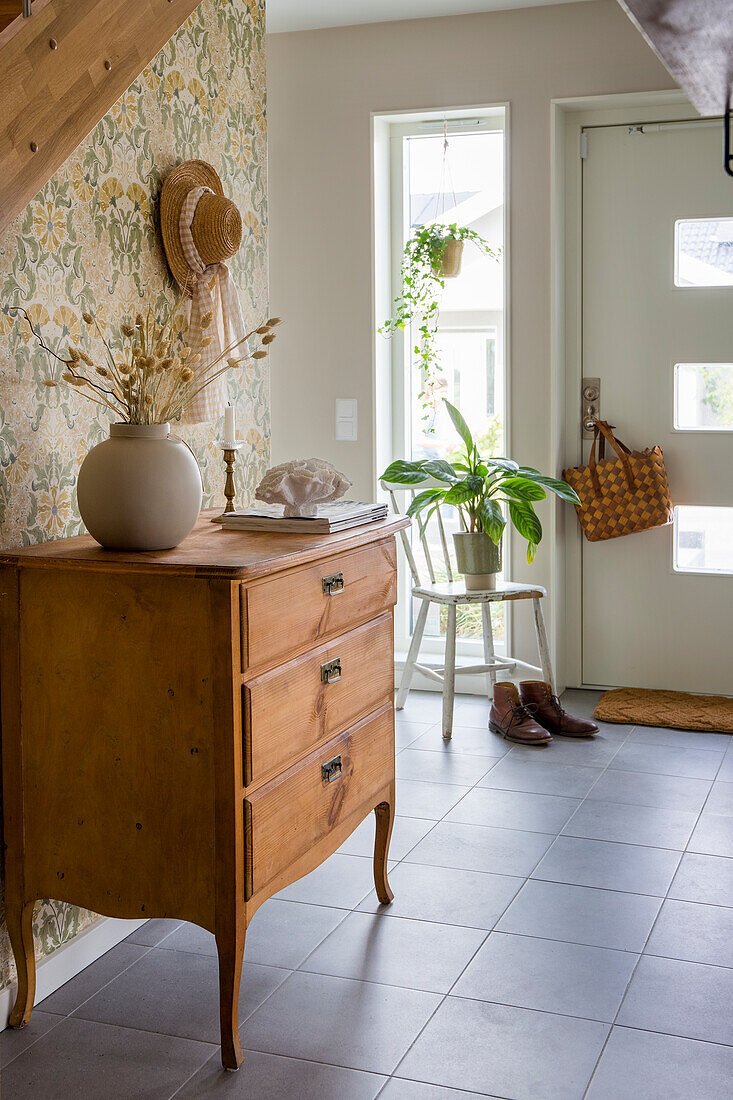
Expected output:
(703, 539)
(703, 397)
(703, 252)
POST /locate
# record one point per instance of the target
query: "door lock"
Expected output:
(590, 405)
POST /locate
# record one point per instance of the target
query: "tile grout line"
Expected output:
(445, 997)
(69, 1015)
(603, 769)
(586, 798)
(648, 938)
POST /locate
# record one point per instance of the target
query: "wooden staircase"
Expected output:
(61, 69)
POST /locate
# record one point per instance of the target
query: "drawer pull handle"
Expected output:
(331, 770)
(333, 584)
(331, 671)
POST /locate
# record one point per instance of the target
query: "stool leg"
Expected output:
(449, 673)
(542, 645)
(488, 644)
(413, 655)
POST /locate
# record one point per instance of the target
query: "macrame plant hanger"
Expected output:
(446, 176)
(452, 248)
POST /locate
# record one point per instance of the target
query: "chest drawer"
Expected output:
(295, 706)
(288, 816)
(296, 610)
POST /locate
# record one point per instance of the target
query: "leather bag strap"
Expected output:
(603, 431)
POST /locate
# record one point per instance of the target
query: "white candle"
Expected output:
(229, 425)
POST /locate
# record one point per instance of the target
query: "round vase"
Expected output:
(140, 489)
(478, 558)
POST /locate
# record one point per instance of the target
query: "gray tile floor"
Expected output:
(562, 928)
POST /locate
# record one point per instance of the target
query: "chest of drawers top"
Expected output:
(208, 551)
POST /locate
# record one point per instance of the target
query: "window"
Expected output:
(703, 397)
(703, 539)
(469, 192)
(703, 252)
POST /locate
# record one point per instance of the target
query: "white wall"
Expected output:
(322, 87)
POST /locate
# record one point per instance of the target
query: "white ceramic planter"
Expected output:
(140, 489)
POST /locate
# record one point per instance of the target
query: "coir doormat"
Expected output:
(676, 709)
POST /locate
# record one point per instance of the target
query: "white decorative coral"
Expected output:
(302, 485)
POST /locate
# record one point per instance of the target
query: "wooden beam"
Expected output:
(61, 71)
(694, 41)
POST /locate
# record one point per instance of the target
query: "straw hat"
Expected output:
(217, 224)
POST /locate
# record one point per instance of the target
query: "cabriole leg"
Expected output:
(230, 946)
(384, 814)
(20, 930)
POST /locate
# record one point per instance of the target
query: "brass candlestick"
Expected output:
(230, 457)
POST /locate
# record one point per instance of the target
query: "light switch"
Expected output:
(346, 419)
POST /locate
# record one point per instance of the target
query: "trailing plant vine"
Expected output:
(423, 282)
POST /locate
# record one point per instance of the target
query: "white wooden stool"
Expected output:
(451, 593)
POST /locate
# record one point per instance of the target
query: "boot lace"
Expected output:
(557, 706)
(520, 712)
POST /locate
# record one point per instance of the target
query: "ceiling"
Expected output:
(300, 15)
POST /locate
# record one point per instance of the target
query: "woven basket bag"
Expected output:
(620, 495)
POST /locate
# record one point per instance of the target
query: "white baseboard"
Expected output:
(66, 961)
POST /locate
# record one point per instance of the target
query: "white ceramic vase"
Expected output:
(140, 489)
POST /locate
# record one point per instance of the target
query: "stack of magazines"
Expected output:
(338, 516)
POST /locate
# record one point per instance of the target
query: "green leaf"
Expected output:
(462, 492)
(460, 425)
(559, 488)
(424, 500)
(441, 470)
(402, 472)
(527, 522)
(425, 519)
(492, 520)
(521, 488)
(503, 464)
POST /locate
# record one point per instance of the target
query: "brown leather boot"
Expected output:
(512, 720)
(548, 711)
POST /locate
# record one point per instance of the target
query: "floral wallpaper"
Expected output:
(89, 240)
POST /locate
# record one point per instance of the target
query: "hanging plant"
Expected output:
(432, 255)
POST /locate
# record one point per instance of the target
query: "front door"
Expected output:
(658, 332)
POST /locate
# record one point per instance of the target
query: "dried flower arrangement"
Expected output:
(147, 372)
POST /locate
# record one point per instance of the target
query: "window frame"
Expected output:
(681, 571)
(700, 428)
(676, 252)
(473, 120)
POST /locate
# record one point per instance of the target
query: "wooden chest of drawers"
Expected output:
(186, 732)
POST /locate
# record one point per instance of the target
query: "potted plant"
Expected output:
(478, 487)
(432, 255)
